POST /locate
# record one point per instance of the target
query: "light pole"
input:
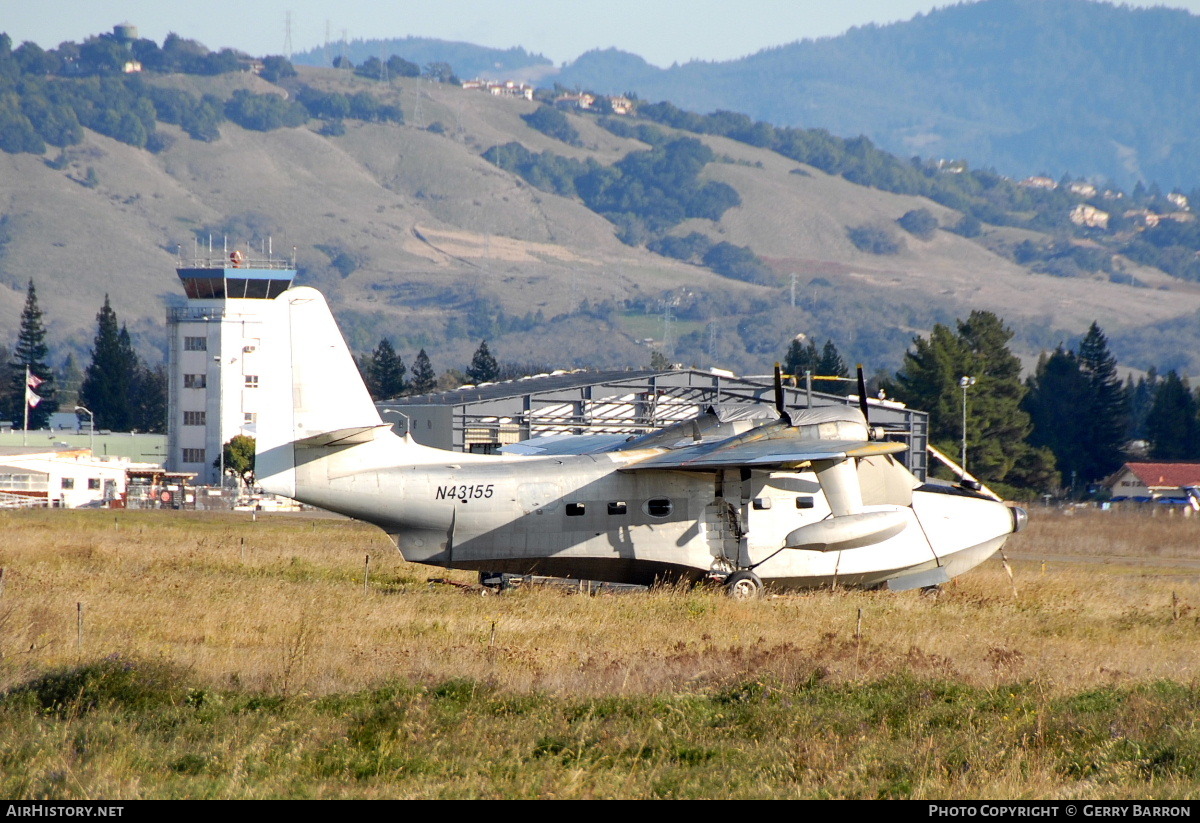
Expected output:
(220, 419)
(965, 383)
(407, 419)
(91, 428)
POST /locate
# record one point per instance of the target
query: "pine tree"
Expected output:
(110, 379)
(1171, 425)
(997, 426)
(483, 368)
(801, 358)
(1107, 410)
(424, 379)
(928, 380)
(1141, 398)
(832, 365)
(150, 399)
(386, 372)
(1058, 392)
(31, 352)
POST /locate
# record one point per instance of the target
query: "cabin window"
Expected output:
(761, 503)
(93, 483)
(658, 507)
(618, 507)
(576, 509)
(68, 482)
(804, 502)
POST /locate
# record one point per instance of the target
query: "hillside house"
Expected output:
(1039, 183)
(1153, 481)
(1089, 216)
(621, 105)
(579, 101)
(1147, 217)
(501, 88)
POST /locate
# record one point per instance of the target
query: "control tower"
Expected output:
(214, 340)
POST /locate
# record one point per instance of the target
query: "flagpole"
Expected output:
(25, 428)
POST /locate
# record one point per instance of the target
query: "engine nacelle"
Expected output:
(848, 531)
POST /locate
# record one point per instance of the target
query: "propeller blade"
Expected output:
(862, 395)
(779, 390)
(780, 406)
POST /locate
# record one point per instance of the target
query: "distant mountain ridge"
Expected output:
(1026, 87)
(467, 59)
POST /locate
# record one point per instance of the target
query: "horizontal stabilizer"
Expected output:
(342, 437)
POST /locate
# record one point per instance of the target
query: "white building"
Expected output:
(214, 361)
(67, 478)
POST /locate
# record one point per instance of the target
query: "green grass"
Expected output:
(226, 657)
(140, 729)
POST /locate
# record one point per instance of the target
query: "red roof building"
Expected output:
(1153, 480)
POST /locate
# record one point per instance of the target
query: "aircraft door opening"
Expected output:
(724, 522)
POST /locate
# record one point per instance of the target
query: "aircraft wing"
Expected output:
(558, 444)
(774, 453)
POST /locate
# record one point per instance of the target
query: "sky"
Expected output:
(661, 31)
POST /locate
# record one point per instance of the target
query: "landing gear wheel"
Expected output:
(743, 585)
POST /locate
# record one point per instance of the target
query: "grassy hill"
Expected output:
(415, 236)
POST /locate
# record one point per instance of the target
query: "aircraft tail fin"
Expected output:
(310, 388)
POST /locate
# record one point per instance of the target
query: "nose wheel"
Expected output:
(743, 585)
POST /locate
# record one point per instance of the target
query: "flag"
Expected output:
(31, 398)
(32, 380)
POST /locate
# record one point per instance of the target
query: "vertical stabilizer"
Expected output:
(310, 385)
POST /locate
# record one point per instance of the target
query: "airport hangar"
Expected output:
(485, 417)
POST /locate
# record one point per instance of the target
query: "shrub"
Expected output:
(875, 239)
(919, 223)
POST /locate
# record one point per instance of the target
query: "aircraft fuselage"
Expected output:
(580, 516)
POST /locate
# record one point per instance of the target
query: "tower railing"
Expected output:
(177, 314)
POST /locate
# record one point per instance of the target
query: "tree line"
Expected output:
(49, 97)
(1064, 428)
(122, 392)
(386, 377)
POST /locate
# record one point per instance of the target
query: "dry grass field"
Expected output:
(165, 654)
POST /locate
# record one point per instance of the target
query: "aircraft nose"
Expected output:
(1019, 518)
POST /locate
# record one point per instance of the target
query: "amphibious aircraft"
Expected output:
(792, 499)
